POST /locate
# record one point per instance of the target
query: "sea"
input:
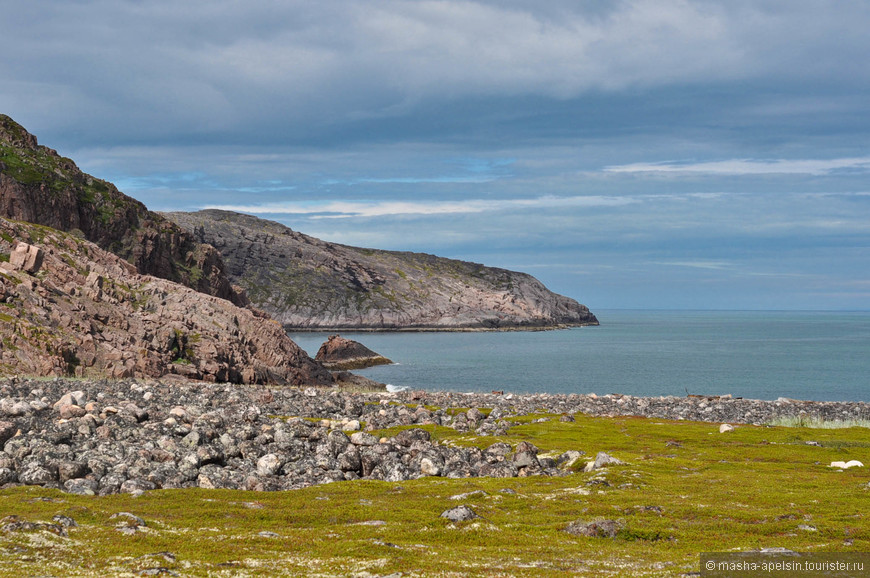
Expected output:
(805, 355)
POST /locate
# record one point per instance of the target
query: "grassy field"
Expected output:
(684, 489)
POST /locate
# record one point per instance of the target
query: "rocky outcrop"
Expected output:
(39, 186)
(340, 353)
(306, 283)
(86, 312)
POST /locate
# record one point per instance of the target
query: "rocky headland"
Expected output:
(67, 307)
(306, 283)
(108, 436)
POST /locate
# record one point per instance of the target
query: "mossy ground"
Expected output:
(684, 489)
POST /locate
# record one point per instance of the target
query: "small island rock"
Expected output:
(338, 353)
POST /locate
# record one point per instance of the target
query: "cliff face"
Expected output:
(39, 186)
(306, 283)
(67, 307)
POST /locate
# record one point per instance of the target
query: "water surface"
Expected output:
(753, 354)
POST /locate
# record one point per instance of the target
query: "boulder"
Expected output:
(459, 514)
(602, 460)
(27, 258)
(339, 353)
(596, 529)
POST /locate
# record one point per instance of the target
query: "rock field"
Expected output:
(108, 436)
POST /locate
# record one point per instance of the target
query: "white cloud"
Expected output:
(714, 265)
(348, 209)
(750, 166)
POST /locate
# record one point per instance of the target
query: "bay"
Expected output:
(823, 356)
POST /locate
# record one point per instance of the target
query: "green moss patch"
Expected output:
(684, 489)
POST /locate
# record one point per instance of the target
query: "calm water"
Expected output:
(761, 355)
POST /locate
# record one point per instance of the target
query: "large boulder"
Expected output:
(339, 353)
(26, 258)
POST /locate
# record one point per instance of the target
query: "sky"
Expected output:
(662, 154)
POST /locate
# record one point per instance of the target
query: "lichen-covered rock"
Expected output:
(595, 529)
(459, 514)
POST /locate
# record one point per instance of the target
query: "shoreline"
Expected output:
(434, 329)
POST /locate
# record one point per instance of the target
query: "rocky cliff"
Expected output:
(39, 186)
(67, 307)
(306, 283)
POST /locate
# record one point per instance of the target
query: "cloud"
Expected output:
(713, 265)
(349, 209)
(299, 70)
(750, 167)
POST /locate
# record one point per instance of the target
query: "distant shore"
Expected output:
(433, 329)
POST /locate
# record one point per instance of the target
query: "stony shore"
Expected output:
(109, 436)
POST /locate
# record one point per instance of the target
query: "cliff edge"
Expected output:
(37, 185)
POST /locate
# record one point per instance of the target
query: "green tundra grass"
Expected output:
(684, 489)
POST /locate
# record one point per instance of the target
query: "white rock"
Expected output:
(269, 465)
(846, 465)
(72, 398)
(602, 460)
(725, 427)
(352, 425)
(363, 439)
(429, 468)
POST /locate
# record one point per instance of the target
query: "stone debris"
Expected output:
(92, 438)
(197, 434)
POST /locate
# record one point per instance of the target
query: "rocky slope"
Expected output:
(67, 307)
(39, 186)
(306, 283)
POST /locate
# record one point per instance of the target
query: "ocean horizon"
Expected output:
(805, 355)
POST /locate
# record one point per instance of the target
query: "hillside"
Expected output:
(306, 283)
(68, 307)
(37, 185)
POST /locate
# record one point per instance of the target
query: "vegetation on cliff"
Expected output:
(37, 185)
